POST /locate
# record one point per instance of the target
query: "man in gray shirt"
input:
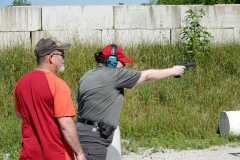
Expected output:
(101, 94)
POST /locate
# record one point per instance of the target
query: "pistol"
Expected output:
(184, 64)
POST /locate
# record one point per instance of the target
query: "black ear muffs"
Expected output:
(112, 60)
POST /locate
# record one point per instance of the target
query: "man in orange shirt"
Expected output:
(44, 103)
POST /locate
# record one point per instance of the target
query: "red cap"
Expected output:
(120, 54)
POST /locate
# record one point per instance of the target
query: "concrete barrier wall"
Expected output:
(237, 35)
(21, 19)
(217, 16)
(85, 37)
(121, 24)
(147, 17)
(75, 18)
(14, 38)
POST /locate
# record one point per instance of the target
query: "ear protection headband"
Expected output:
(112, 60)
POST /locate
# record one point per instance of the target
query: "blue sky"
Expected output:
(4, 3)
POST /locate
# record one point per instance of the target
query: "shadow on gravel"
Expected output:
(235, 154)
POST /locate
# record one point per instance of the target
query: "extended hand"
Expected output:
(178, 70)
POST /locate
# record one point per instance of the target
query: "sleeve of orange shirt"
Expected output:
(63, 105)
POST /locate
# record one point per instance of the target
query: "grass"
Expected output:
(172, 113)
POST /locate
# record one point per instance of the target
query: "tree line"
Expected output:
(189, 2)
(154, 2)
(20, 3)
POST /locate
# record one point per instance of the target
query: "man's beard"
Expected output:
(61, 69)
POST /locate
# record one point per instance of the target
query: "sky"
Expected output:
(40, 3)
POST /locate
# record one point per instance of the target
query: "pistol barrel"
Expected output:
(185, 64)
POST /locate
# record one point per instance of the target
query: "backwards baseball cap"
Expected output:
(120, 54)
(47, 45)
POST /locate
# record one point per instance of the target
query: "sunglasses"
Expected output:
(60, 54)
(122, 62)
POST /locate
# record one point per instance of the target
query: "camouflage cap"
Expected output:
(47, 45)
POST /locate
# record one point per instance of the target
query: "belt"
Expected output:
(85, 121)
(104, 129)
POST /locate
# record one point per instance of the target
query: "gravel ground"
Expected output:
(226, 152)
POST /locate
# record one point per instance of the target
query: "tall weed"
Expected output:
(171, 112)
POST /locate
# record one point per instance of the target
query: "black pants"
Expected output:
(94, 146)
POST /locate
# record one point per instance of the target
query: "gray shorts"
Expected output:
(94, 146)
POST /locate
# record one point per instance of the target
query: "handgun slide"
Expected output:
(184, 64)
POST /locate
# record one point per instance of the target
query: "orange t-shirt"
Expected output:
(41, 97)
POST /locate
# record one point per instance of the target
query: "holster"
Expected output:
(105, 130)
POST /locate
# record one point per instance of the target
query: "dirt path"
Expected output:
(226, 152)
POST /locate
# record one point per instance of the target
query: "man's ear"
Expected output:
(51, 58)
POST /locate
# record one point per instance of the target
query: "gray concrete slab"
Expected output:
(90, 36)
(237, 35)
(10, 39)
(220, 35)
(217, 16)
(20, 19)
(73, 18)
(147, 17)
(108, 37)
(135, 37)
(175, 36)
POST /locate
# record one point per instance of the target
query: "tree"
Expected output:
(194, 35)
(120, 3)
(20, 3)
(151, 2)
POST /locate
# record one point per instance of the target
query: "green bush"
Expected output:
(194, 35)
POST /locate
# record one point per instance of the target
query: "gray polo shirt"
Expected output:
(100, 93)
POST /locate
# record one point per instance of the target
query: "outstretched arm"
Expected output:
(69, 131)
(154, 74)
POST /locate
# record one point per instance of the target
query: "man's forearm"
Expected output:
(69, 131)
(18, 115)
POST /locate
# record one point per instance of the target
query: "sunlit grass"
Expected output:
(172, 112)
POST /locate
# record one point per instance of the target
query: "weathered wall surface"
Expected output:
(122, 25)
(91, 36)
(14, 38)
(74, 18)
(147, 17)
(217, 16)
(20, 19)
